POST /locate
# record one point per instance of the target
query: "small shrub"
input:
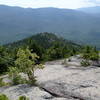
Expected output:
(23, 98)
(18, 80)
(32, 82)
(3, 97)
(94, 56)
(2, 83)
(91, 53)
(15, 77)
(85, 63)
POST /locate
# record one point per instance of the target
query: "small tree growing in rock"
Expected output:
(23, 98)
(26, 62)
(85, 63)
(15, 76)
(2, 83)
(3, 97)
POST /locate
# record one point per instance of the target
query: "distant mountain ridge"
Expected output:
(17, 23)
(93, 10)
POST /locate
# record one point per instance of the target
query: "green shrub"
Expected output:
(3, 97)
(2, 83)
(86, 55)
(5, 60)
(15, 77)
(18, 80)
(26, 62)
(32, 82)
(23, 98)
(85, 63)
(90, 53)
(94, 56)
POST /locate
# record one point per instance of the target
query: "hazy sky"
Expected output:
(52, 3)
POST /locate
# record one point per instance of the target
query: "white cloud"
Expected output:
(51, 3)
(95, 2)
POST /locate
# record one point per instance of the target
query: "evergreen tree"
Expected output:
(5, 60)
(90, 53)
(26, 62)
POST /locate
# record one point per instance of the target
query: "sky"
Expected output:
(71, 4)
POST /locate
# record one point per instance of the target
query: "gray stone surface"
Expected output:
(70, 82)
(34, 93)
(61, 83)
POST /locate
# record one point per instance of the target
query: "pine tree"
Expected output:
(26, 62)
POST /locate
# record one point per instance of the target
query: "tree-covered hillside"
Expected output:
(47, 46)
(45, 40)
(44, 44)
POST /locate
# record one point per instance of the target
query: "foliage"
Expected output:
(90, 53)
(5, 60)
(34, 47)
(44, 43)
(15, 76)
(85, 63)
(26, 63)
(23, 98)
(17, 80)
(47, 46)
(3, 97)
(54, 53)
(2, 83)
(94, 56)
(60, 50)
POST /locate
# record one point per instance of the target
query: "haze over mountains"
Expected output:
(17, 23)
(91, 9)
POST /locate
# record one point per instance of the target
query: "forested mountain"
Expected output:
(45, 40)
(47, 46)
(17, 23)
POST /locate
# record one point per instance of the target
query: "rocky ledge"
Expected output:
(60, 82)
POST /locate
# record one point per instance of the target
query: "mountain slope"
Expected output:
(45, 40)
(47, 46)
(17, 23)
(93, 10)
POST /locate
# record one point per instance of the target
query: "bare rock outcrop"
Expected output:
(82, 83)
(59, 82)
